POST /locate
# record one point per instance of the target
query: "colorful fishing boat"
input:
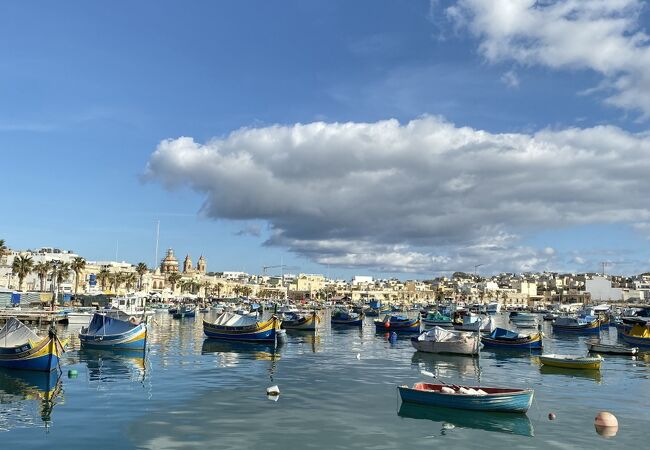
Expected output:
(439, 340)
(301, 321)
(342, 317)
(524, 320)
(502, 338)
(21, 348)
(468, 397)
(112, 333)
(576, 325)
(236, 327)
(399, 324)
(436, 319)
(572, 362)
(638, 335)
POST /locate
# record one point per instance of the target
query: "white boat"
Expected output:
(472, 322)
(134, 305)
(493, 308)
(80, 316)
(439, 340)
(524, 320)
(612, 349)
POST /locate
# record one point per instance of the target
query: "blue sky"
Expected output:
(88, 91)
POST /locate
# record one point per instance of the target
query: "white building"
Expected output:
(601, 289)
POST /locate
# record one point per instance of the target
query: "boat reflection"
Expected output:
(574, 373)
(255, 350)
(510, 423)
(17, 386)
(114, 365)
(444, 366)
(308, 338)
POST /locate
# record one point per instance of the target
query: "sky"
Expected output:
(381, 138)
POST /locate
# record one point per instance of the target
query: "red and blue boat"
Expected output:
(399, 324)
(468, 397)
(502, 338)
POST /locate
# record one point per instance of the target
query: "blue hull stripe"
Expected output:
(45, 363)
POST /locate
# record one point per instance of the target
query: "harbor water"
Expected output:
(338, 390)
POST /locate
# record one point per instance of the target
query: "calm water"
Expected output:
(188, 393)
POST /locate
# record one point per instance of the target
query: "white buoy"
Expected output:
(273, 390)
(606, 424)
(358, 355)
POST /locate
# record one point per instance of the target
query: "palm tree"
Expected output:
(78, 264)
(42, 269)
(237, 290)
(130, 279)
(3, 250)
(103, 276)
(218, 287)
(60, 273)
(22, 266)
(141, 269)
(115, 280)
(186, 286)
(174, 278)
(206, 287)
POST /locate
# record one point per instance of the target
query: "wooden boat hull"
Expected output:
(182, 315)
(535, 342)
(587, 364)
(592, 327)
(501, 400)
(639, 341)
(42, 356)
(613, 349)
(350, 323)
(134, 339)
(268, 331)
(469, 347)
(437, 323)
(306, 323)
(412, 326)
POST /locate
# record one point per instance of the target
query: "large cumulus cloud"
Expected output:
(601, 35)
(421, 196)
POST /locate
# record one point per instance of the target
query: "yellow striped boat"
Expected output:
(21, 348)
(572, 362)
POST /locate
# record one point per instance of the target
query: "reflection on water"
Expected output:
(21, 390)
(573, 373)
(447, 366)
(489, 421)
(110, 365)
(254, 350)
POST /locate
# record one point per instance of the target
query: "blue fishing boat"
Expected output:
(576, 325)
(185, 311)
(436, 319)
(342, 317)
(466, 397)
(21, 348)
(106, 332)
(502, 338)
(399, 324)
(638, 335)
(236, 327)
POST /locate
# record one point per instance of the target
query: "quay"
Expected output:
(31, 316)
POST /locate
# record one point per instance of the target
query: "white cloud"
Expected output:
(422, 196)
(600, 35)
(510, 79)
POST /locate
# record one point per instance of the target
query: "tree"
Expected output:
(246, 291)
(78, 264)
(103, 276)
(116, 279)
(141, 269)
(42, 269)
(206, 288)
(174, 278)
(218, 287)
(130, 279)
(22, 266)
(60, 272)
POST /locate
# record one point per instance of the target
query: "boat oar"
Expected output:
(429, 374)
